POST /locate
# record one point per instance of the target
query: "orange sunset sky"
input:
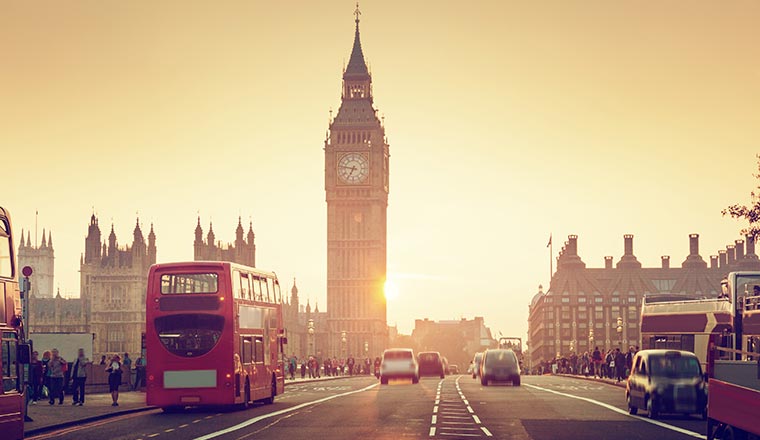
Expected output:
(507, 121)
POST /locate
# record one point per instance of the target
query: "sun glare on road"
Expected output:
(391, 290)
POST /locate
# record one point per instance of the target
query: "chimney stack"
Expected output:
(666, 261)
(713, 261)
(750, 247)
(722, 258)
(628, 244)
(739, 250)
(694, 260)
(572, 245)
(731, 251)
(608, 262)
(693, 244)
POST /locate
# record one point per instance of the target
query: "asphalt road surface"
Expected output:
(543, 408)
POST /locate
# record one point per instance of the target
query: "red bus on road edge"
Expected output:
(214, 335)
(14, 354)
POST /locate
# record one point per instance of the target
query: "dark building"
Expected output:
(582, 306)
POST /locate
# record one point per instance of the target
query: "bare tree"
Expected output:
(750, 213)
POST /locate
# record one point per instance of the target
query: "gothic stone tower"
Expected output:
(356, 187)
(42, 259)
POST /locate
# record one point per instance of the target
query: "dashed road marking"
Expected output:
(453, 415)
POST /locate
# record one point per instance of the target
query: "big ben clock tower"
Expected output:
(356, 187)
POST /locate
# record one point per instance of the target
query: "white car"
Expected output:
(399, 363)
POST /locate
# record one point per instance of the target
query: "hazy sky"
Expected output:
(507, 120)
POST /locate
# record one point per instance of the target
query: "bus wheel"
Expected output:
(247, 396)
(172, 409)
(270, 400)
(731, 433)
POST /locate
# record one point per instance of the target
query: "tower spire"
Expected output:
(356, 64)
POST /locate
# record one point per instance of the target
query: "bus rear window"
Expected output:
(189, 283)
(189, 335)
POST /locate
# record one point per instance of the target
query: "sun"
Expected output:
(391, 290)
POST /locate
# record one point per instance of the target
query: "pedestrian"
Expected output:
(114, 378)
(139, 373)
(596, 357)
(620, 365)
(303, 368)
(103, 360)
(36, 377)
(57, 367)
(128, 364)
(79, 375)
(45, 374)
(292, 362)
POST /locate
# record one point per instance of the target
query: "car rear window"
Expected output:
(500, 357)
(674, 366)
(394, 355)
(429, 357)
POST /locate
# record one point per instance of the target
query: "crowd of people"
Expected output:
(52, 375)
(612, 363)
(317, 366)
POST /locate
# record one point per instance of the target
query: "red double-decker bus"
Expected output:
(12, 357)
(214, 335)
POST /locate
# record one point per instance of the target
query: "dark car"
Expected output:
(666, 381)
(499, 365)
(431, 364)
(475, 368)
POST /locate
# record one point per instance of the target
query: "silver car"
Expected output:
(399, 363)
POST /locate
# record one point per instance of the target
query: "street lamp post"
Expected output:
(310, 326)
(343, 341)
(620, 332)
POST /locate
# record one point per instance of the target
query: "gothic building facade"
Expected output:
(356, 189)
(113, 282)
(243, 251)
(581, 308)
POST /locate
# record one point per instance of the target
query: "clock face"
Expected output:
(353, 168)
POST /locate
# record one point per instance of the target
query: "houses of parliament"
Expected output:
(111, 304)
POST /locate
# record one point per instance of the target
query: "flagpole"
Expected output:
(551, 260)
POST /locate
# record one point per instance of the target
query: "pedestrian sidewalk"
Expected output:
(596, 379)
(319, 379)
(96, 406)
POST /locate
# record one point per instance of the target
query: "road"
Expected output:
(543, 408)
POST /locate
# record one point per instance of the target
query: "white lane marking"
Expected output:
(250, 422)
(476, 418)
(432, 431)
(460, 434)
(469, 408)
(486, 431)
(434, 419)
(435, 409)
(623, 412)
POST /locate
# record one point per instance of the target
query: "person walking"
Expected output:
(620, 365)
(139, 373)
(79, 376)
(36, 377)
(57, 369)
(114, 378)
(596, 357)
(128, 364)
(292, 362)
